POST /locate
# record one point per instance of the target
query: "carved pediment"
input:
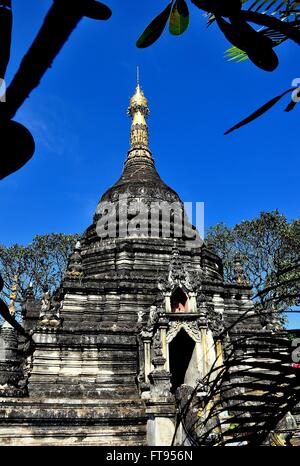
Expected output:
(191, 328)
(179, 275)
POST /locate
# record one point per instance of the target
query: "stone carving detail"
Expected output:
(179, 275)
(192, 280)
(152, 192)
(239, 273)
(75, 262)
(140, 316)
(177, 271)
(157, 347)
(46, 302)
(215, 320)
(191, 328)
(152, 320)
(57, 301)
(50, 309)
(26, 370)
(202, 307)
(160, 379)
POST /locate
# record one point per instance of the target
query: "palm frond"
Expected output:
(235, 54)
(269, 7)
(284, 9)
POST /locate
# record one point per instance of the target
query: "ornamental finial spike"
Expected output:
(239, 273)
(13, 295)
(139, 111)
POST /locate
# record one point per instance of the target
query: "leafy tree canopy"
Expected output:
(42, 263)
(269, 250)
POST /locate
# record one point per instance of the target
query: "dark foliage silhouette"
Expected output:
(248, 395)
(17, 144)
(278, 21)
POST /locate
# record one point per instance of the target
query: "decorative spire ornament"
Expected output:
(75, 262)
(239, 273)
(139, 111)
(13, 296)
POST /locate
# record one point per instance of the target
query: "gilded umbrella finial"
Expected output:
(139, 111)
(13, 295)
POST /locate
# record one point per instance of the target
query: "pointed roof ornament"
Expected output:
(13, 295)
(139, 111)
(239, 273)
(139, 178)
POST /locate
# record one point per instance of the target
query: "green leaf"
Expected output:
(154, 30)
(235, 54)
(180, 18)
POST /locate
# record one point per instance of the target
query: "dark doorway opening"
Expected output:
(180, 353)
(179, 301)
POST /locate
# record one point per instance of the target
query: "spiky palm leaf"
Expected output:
(274, 7)
(284, 9)
(235, 54)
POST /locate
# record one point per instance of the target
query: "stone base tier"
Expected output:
(67, 422)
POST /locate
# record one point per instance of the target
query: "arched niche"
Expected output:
(179, 300)
(182, 360)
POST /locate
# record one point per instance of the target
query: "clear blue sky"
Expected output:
(78, 119)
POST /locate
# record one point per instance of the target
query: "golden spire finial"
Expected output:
(13, 296)
(138, 110)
